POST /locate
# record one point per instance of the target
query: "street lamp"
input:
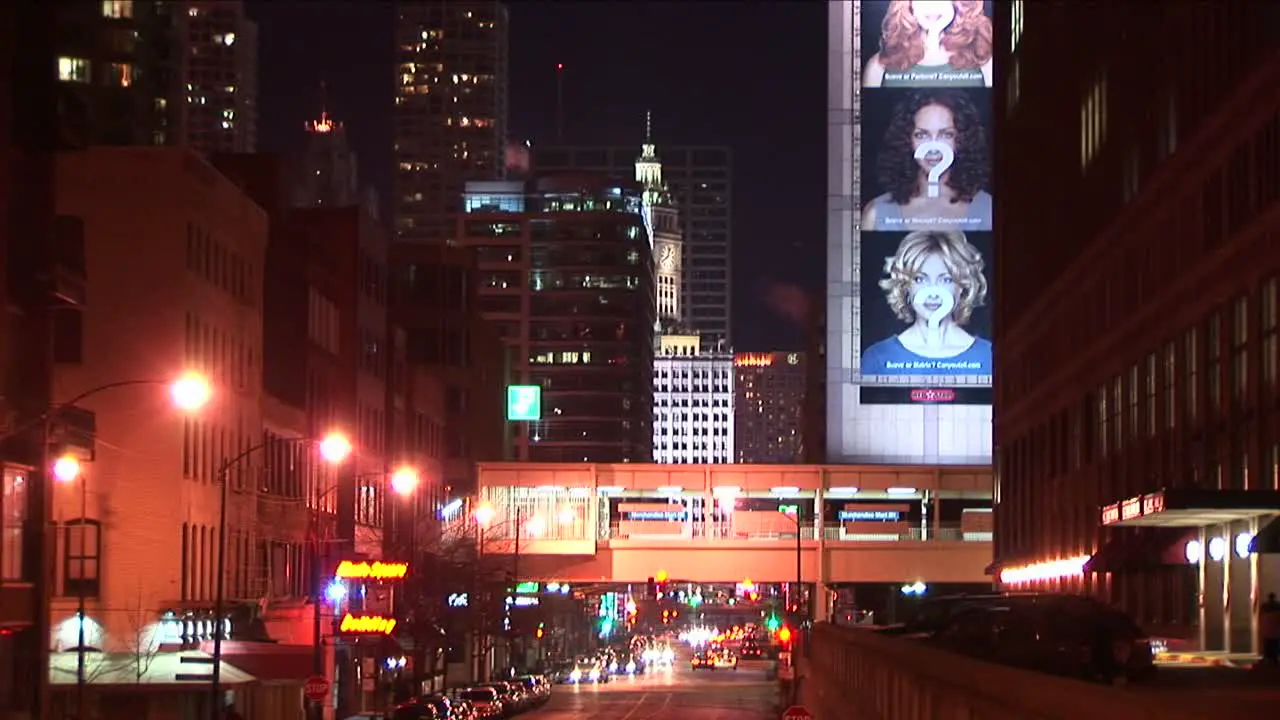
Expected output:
(189, 392)
(334, 448)
(793, 512)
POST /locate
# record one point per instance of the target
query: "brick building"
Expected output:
(177, 255)
(1138, 441)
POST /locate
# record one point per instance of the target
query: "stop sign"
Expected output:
(316, 688)
(797, 712)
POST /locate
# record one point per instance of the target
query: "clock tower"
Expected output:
(663, 218)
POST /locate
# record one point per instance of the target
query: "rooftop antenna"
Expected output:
(559, 103)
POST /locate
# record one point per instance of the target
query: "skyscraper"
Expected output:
(216, 74)
(450, 111)
(693, 402)
(566, 274)
(663, 220)
(701, 181)
(769, 393)
(327, 174)
(115, 67)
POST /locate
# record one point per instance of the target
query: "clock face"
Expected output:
(667, 257)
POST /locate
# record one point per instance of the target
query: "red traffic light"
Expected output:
(784, 635)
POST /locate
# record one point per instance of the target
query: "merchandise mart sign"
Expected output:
(1133, 508)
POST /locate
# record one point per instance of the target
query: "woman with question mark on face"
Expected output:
(934, 164)
(934, 282)
(932, 43)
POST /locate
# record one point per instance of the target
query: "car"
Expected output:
(486, 701)
(725, 661)
(702, 661)
(590, 672)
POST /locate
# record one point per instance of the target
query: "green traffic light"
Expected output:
(772, 623)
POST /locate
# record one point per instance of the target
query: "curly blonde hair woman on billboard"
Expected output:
(932, 43)
(932, 283)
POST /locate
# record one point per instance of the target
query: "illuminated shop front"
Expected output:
(369, 661)
(1225, 544)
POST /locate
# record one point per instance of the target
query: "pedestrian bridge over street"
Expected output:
(709, 523)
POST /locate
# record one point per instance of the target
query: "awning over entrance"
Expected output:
(1190, 507)
(269, 661)
(1141, 550)
(1267, 541)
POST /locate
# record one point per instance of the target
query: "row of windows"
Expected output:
(1177, 397)
(226, 359)
(219, 264)
(1231, 197)
(206, 448)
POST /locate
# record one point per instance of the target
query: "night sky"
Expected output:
(748, 75)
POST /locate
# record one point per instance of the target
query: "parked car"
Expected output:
(486, 701)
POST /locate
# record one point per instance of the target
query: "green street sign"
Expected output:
(524, 402)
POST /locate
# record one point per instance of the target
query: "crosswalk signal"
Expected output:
(541, 630)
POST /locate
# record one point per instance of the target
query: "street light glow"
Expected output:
(484, 514)
(190, 392)
(335, 447)
(66, 469)
(404, 481)
(567, 516)
(535, 527)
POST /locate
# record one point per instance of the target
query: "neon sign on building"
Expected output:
(753, 360)
(349, 570)
(367, 624)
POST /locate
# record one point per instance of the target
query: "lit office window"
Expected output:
(73, 69)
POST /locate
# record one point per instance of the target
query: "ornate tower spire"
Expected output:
(648, 166)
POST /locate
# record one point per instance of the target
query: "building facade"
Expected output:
(450, 113)
(701, 182)
(693, 403)
(566, 274)
(327, 174)
(769, 392)
(1136, 428)
(138, 527)
(663, 220)
(215, 74)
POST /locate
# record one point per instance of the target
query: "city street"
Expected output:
(679, 693)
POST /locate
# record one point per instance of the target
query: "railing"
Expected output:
(831, 533)
(857, 674)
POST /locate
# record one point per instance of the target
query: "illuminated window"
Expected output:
(13, 516)
(117, 8)
(1268, 331)
(1015, 24)
(83, 544)
(1093, 120)
(73, 69)
(120, 74)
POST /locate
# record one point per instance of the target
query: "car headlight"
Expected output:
(595, 675)
(631, 666)
(575, 676)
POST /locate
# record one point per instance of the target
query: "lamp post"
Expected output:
(404, 481)
(794, 514)
(189, 392)
(334, 448)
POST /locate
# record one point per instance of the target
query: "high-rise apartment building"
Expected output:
(769, 391)
(1137, 451)
(450, 114)
(116, 67)
(566, 274)
(701, 182)
(216, 74)
(693, 398)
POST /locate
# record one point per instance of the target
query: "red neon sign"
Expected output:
(348, 570)
(932, 395)
(371, 624)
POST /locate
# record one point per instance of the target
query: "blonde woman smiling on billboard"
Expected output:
(933, 283)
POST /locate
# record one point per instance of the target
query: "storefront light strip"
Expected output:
(1068, 567)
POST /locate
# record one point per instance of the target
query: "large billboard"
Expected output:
(910, 246)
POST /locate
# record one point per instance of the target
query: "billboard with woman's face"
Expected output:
(911, 269)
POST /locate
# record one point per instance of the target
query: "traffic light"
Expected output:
(772, 623)
(784, 636)
(666, 617)
(541, 630)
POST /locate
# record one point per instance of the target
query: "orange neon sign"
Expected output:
(349, 570)
(367, 624)
(753, 360)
